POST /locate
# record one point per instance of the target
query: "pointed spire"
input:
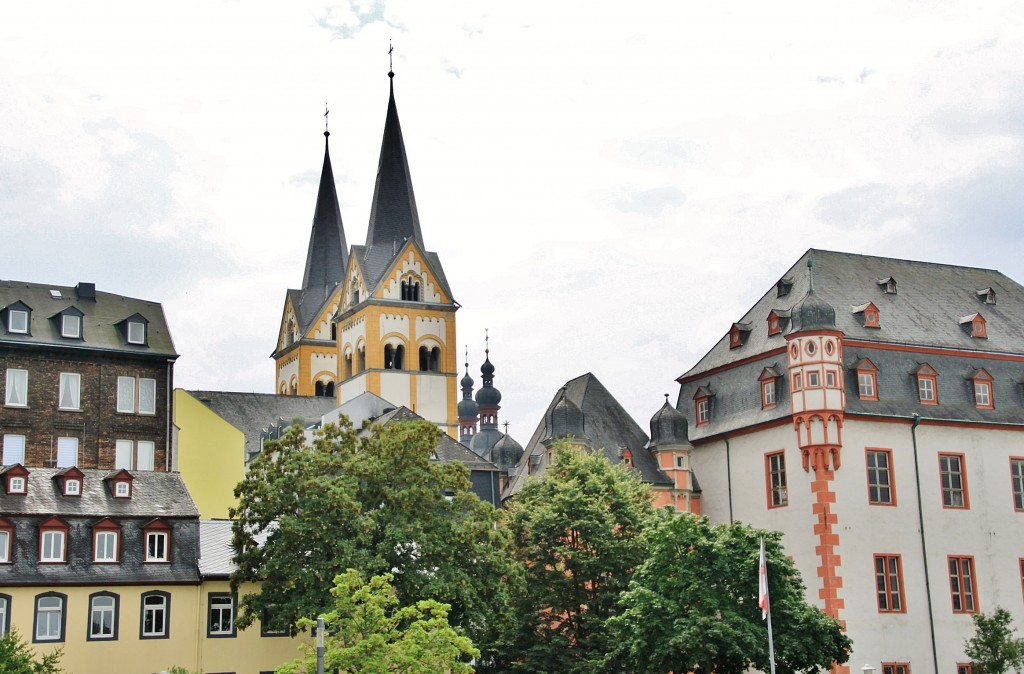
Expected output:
(328, 250)
(393, 215)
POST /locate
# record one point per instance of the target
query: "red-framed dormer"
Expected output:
(927, 384)
(120, 483)
(738, 334)
(71, 481)
(869, 315)
(975, 326)
(984, 393)
(778, 319)
(16, 480)
(702, 405)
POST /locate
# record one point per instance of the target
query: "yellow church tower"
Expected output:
(306, 353)
(396, 322)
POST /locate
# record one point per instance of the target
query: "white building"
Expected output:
(871, 409)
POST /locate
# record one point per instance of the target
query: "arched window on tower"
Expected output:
(329, 389)
(393, 357)
(410, 290)
(435, 359)
(360, 359)
(334, 331)
(348, 365)
(318, 388)
(424, 359)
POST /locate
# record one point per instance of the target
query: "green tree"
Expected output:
(309, 511)
(577, 530)
(692, 606)
(17, 658)
(994, 649)
(367, 632)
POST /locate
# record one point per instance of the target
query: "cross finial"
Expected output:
(391, 62)
(467, 358)
(326, 112)
(487, 342)
(506, 427)
(666, 397)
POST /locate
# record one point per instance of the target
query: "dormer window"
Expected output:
(70, 481)
(627, 457)
(738, 334)
(983, 397)
(120, 483)
(868, 314)
(768, 381)
(71, 324)
(18, 318)
(888, 285)
(157, 541)
(122, 489)
(53, 534)
(136, 332)
(777, 319)
(987, 295)
(927, 384)
(975, 326)
(16, 479)
(783, 287)
(72, 487)
(867, 379)
(702, 405)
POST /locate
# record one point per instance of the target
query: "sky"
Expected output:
(609, 186)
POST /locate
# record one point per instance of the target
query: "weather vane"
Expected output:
(391, 63)
(326, 112)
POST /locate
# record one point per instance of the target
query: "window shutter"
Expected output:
(147, 452)
(67, 452)
(123, 454)
(14, 449)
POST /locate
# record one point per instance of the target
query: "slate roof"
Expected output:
(375, 261)
(215, 549)
(367, 406)
(608, 428)
(100, 321)
(328, 250)
(252, 412)
(925, 311)
(448, 449)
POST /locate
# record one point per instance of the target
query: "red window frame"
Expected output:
(963, 583)
(867, 369)
(964, 668)
(982, 380)
(768, 397)
(54, 524)
(107, 525)
(1017, 482)
(7, 554)
(889, 584)
(776, 486)
(875, 472)
(953, 482)
(156, 527)
(702, 410)
(895, 668)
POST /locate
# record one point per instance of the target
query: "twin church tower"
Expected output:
(376, 318)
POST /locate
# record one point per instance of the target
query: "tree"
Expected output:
(17, 658)
(380, 504)
(692, 606)
(577, 530)
(994, 649)
(367, 632)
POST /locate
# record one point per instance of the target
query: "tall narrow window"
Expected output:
(67, 452)
(17, 388)
(103, 616)
(775, 467)
(136, 332)
(106, 543)
(49, 617)
(961, 584)
(703, 411)
(14, 449)
(953, 481)
(983, 397)
(147, 396)
(768, 394)
(880, 484)
(70, 390)
(866, 385)
(156, 609)
(124, 451)
(126, 394)
(927, 384)
(6, 536)
(52, 537)
(5, 614)
(889, 583)
(1017, 479)
(146, 455)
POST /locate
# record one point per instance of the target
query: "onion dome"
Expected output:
(488, 396)
(506, 453)
(565, 419)
(668, 426)
(813, 313)
(467, 407)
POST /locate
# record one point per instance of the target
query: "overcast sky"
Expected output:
(609, 185)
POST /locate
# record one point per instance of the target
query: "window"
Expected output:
(71, 326)
(136, 332)
(17, 321)
(49, 617)
(122, 489)
(17, 484)
(103, 616)
(157, 540)
(147, 450)
(394, 357)
(867, 379)
(52, 535)
(703, 412)
(269, 624)
(14, 449)
(889, 584)
(5, 614)
(156, 613)
(798, 381)
(963, 668)
(895, 667)
(124, 451)
(70, 389)
(768, 394)
(880, 484)
(953, 481)
(72, 487)
(126, 402)
(6, 536)
(926, 389)
(983, 398)
(830, 378)
(67, 452)
(221, 619)
(1017, 479)
(775, 467)
(813, 378)
(961, 584)
(17, 388)
(1021, 562)
(106, 541)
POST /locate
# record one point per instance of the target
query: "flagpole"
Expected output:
(765, 604)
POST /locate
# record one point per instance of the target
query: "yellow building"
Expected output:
(381, 317)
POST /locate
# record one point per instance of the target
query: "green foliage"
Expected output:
(692, 605)
(378, 505)
(994, 649)
(17, 658)
(177, 669)
(577, 531)
(367, 632)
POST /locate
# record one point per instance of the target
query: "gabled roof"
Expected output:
(447, 450)
(252, 412)
(376, 261)
(102, 313)
(154, 494)
(932, 298)
(608, 426)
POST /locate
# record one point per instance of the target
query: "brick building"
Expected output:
(86, 380)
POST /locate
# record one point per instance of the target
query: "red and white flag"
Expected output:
(762, 584)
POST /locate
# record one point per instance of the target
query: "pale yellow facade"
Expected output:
(211, 455)
(187, 643)
(301, 361)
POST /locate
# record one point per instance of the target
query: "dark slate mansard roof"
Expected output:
(925, 312)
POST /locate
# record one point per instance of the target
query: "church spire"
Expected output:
(393, 216)
(328, 250)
